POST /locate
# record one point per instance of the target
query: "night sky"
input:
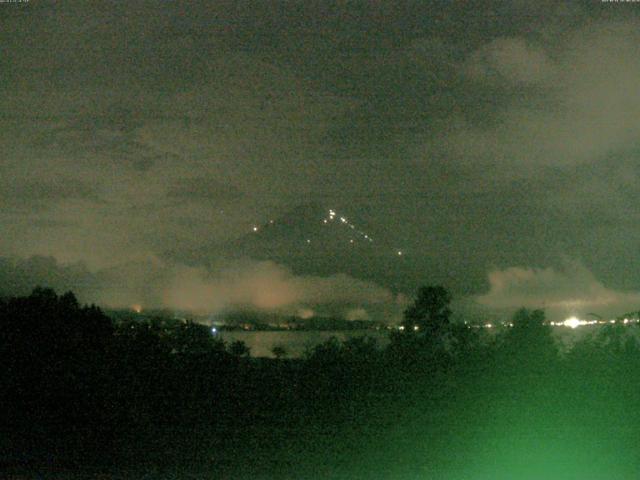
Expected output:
(495, 144)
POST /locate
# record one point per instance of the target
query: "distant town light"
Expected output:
(572, 322)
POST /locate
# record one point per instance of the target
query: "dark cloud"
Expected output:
(107, 143)
(477, 139)
(20, 276)
(198, 189)
(38, 194)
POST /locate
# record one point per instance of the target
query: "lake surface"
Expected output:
(296, 342)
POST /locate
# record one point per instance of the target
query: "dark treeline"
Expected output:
(82, 394)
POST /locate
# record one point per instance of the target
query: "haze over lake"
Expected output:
(295, 343)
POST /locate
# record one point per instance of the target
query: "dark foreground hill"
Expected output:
(82, 398)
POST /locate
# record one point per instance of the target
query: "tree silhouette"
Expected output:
(239, 349)
(192, 337)
(279, 351)
(530, 339)
(429, 314)
(52, 352)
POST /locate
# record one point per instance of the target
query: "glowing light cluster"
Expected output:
(333, 216)
(575, 322)
(341, 220)
(571, 322)
(344, 221)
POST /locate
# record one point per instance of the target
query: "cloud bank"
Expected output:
(267, 286)
(570, 291)
(247, 284)
(480, 138)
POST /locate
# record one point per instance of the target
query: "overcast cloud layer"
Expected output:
(496, 145)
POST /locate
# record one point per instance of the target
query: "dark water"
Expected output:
(296, 342)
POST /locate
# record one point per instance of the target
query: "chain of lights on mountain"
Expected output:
(334, 217)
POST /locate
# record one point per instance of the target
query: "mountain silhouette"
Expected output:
(313, 239)
(308, 238)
